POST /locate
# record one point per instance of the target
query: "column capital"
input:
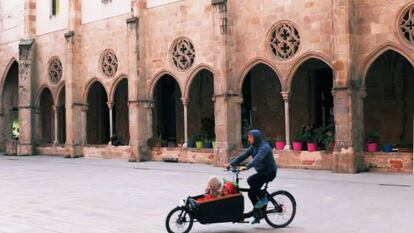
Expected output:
(147, 103)
(185, 101)
(132, 20)
(69, 36)
(26, 42)
(85, 107)
(218, 2)
(362, 93)
(54, 107)
(336, 90)
(110, 105)
(285, 95)
(227, 96)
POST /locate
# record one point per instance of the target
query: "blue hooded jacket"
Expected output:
(263, 160)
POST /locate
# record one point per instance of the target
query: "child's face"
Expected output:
(226, 191)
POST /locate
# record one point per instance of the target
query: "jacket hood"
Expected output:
(257, 135)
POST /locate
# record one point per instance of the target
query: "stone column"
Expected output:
(226, 101)
(25, 97)
(346, 151)
(84, 122)
(75, 134)
(74, 105)
(55, 108)
(185, 105)
(111, 123)
(139, 103)
(133, 77)
(285, 96)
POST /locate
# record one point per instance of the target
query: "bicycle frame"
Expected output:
(237, 179)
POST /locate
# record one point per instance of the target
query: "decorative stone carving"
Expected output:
(284, 40)
(109, 63)
(406, 24)
(55, 70)
(183, 54)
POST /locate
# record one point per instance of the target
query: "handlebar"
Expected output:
(234, 169)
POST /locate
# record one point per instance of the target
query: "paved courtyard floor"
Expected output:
(43, 194)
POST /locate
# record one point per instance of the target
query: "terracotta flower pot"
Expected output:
(297, 146)
(372, 147)
(280, 145)
(312, 147)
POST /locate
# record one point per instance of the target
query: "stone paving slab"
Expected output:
(43, 194)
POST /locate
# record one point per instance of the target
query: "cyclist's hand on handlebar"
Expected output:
(227, 166)
(243, 168)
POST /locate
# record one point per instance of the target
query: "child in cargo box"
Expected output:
(216, 189)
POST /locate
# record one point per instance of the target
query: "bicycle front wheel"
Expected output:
(179, 220)
(281, 209)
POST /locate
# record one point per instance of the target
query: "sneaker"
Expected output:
(255, 221)
(261, 203)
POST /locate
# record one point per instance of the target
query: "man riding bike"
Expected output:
(264, 164)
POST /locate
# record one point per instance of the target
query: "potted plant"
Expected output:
(157, 141)
(298, 139)
(180, 143)
(172, 144)
(329, 138)
(372, 141)
(311, 139)
(387, 148)
(402, 146)
(190, 143)
(208, 144)
(199, 140)
(214, 144)
(164, 143)
(280, 143)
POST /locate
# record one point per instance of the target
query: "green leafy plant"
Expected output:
(373, 137)
(325, 136)
(16, 128)
(299, 136)
(310, 136)
(151, 142)
(208, 128)
(197, 137)
(280, 138)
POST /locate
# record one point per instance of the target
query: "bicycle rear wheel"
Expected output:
(281, 209)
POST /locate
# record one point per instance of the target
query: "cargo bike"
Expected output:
(279, 212)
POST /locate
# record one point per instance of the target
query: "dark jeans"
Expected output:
(256, 182)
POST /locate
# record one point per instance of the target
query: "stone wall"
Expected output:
(54, 150)
(389, 162)
(319, 160)
(188, 155)
(107, 152)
